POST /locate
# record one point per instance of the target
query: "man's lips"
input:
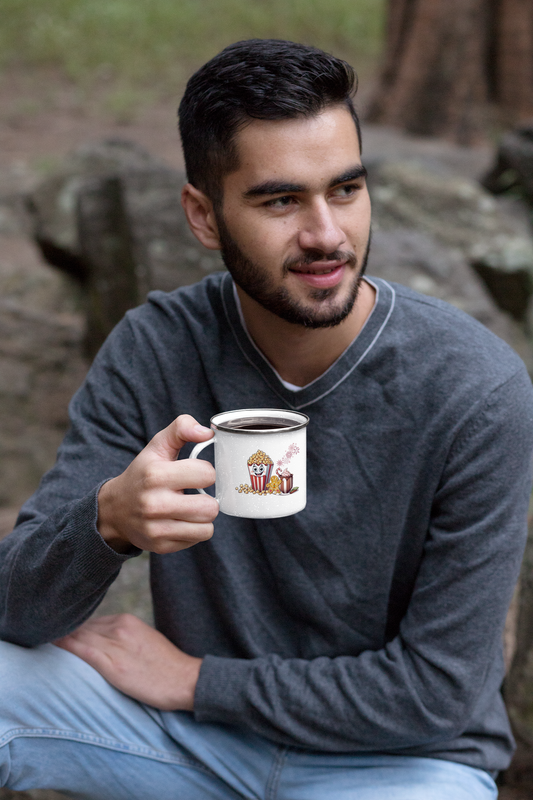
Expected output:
(320, 275)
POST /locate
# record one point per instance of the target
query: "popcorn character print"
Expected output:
(260, 467)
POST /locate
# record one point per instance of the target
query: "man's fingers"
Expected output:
(168, 442)
(98, 640)
(172, 506)
(170, 536)
(110, 626)
(178, 475)
(87, 645)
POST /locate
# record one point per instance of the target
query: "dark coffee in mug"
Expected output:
(260, 425)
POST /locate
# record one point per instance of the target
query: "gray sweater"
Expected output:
(372, 620)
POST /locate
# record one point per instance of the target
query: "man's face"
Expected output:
(295, 220)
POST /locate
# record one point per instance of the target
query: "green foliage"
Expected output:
(161, 41)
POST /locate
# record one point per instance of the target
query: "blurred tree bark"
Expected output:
(448, 62)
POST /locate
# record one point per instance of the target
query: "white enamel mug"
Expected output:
(260, 462)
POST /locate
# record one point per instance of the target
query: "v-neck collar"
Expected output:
(337, 372)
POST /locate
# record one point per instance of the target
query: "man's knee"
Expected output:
(33, 680)
(20, 668)
(22, 665)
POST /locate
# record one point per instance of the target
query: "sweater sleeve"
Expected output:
(426, 684)
(55, 567)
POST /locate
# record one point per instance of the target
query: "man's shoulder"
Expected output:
(428, 326)
(432, 355)
(194, 307)
(437, 312)
(197, 300)
(192, 316)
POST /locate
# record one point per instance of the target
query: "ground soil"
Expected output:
(43, 117)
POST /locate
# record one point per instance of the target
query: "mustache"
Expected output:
(311, 256)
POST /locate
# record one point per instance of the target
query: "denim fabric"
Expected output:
(63, 727)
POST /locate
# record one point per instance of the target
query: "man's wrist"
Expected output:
(187, 684)
(105, 527)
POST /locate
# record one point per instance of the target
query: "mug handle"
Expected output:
(198, 449)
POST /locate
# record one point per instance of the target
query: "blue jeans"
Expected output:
(63, 727)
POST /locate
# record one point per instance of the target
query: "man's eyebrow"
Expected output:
(352, 174)
(278, 187)
(273, 187)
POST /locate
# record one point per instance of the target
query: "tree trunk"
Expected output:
(514, 57)
(447, 60)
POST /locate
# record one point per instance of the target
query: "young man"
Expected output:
(351, 651)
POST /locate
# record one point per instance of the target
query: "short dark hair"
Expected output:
(254, 79)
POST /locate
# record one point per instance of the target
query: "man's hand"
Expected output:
(146, 506)
(137, 660)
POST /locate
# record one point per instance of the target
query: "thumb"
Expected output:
(167, 443)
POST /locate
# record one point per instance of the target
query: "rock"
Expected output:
(506, 265)
(111, 216)
(387, 144)
(41, 365)
(53, 202)
(447, 226)
(514, 164)
(512, 175)
(16, 181)
(113, 284)
(456, 210)
(166, 252)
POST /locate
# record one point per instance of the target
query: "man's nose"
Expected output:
(320, 229)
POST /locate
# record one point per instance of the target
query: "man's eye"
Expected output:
(347, 190)
(280, 202)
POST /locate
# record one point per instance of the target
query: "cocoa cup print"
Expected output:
(260, 461)
(287, 482)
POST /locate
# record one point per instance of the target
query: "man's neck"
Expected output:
(298, 354)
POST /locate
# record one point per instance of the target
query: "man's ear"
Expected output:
(200, 216)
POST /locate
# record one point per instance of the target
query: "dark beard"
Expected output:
(278, 301)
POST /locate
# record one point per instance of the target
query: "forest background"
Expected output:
(119, 54)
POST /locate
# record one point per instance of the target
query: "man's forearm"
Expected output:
(54, 571)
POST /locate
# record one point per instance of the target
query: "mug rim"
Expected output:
(257, 412)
